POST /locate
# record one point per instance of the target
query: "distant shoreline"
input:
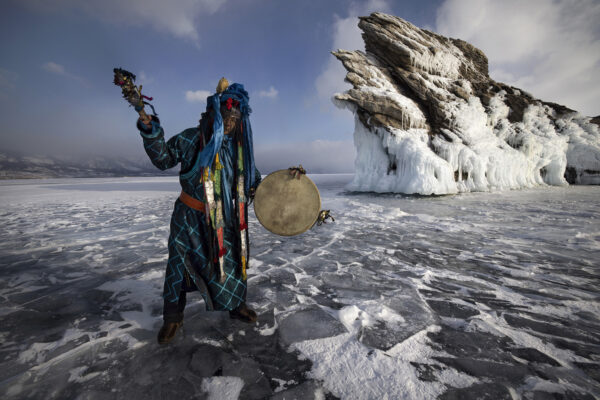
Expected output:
(30, 177)
(47, 179)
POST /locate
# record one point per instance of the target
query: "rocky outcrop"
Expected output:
(429, 119)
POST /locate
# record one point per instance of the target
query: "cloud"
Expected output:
(271, 93)
(319, 156)
(197, 96)
(58, 69)
(144, 79)
(548, 48)
(176, 17)
(54, 67)
(347, 36)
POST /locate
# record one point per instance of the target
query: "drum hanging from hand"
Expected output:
(286, 205)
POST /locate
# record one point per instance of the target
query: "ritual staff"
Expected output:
(208, 242)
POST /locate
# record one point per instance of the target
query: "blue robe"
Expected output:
(189, 266)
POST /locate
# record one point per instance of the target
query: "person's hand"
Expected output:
(145, 119)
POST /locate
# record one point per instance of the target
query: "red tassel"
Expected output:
(222, 252)
(243, 226)
(242, 215)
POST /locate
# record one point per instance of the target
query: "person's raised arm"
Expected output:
(162, 155)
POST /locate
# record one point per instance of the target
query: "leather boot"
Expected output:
(243, 313)
(167, 332)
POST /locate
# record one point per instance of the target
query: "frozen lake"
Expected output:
(402, 297)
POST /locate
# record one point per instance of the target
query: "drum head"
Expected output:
(286, 205)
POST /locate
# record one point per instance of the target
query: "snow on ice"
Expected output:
(402, 297)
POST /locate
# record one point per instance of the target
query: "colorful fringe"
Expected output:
(212, 187)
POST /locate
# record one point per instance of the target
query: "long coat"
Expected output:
(190, 266)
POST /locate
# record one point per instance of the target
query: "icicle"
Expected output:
(403, 123)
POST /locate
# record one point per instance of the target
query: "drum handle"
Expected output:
(296, 172)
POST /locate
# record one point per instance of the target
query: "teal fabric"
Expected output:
(190, 240)
(226, 157)
(237, 92)
(206, 157)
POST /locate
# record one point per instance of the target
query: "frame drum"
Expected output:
(286, 205)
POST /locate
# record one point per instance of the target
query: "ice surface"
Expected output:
(408, 297)
(222, 388)
(311, 323)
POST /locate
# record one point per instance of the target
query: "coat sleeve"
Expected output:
(162, 155)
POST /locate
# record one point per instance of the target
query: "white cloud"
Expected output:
(548, 48)
(54, 67)
(59, 69)
(346, 36)
(319, 156)
(271, 93)
(144, 79)
(197, 96)
(176, 17)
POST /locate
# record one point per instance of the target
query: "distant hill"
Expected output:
(20, 166)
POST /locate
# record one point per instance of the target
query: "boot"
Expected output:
(167, 332)
(243, 313)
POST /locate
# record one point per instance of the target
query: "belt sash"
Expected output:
(192, 202)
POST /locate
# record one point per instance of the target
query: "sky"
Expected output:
(57, 60)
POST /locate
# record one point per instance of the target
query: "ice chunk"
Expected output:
(222, 387)
(311, 323)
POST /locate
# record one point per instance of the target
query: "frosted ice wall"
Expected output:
(429, 120)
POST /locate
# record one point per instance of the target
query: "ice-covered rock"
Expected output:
(430, 120)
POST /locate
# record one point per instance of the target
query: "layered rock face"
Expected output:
(430, 120)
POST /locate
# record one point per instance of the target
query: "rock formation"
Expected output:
(430, 120)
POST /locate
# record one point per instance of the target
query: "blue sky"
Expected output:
(57, 96)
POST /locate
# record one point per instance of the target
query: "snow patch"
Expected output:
(222, 387)
(351, 370)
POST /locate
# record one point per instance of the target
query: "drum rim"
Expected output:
(307, 227)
